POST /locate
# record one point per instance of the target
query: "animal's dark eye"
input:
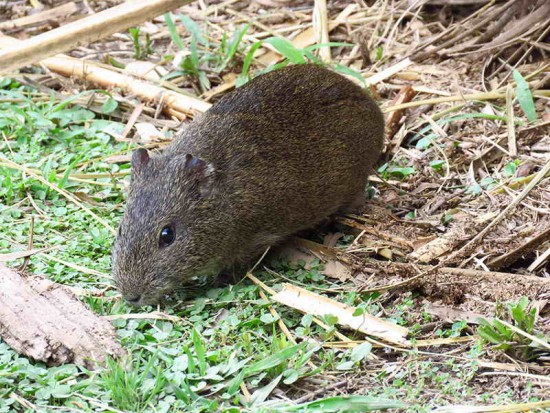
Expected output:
(167, 236)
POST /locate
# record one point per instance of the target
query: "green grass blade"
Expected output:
(312, 58)
(200, 352)
(525, 97)
(350, 72)
(347, 404)
(472, 116)
(234, 384)
(275, 359)
(191, 366)
(65, 178)
(173, 31)
(235, 42)
(260, 395)
(66, 102)
(243, 78)
(194, 29)
(287, 49)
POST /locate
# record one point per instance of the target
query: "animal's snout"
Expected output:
(133, 299)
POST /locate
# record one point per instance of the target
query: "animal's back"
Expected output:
(289, 149)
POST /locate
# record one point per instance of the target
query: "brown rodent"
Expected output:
(276, 156)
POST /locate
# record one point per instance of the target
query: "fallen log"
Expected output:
(46, 322)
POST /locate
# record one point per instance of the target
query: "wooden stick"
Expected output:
(387, 73)
(543, 257)
(317, 305)
(509, 258)
(406, 94)
(474, 282)
(512, 143)
(320, 27)
(486, 18)
(108, 78)
(519, 27)
(84, 31)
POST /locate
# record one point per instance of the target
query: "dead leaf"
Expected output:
(147, 133)
(335, 269)
(386, 253)
(294, 255)
(332, 239)
(451, 314)
(421, 241)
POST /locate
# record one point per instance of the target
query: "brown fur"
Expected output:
(280, 154)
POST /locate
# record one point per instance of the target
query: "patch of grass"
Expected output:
(142, 48)
(292, 55)
(130, 388)
(55, 139)
(201, 55)
(516, 341)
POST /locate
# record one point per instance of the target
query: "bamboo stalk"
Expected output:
(173, 103)
(108, 78)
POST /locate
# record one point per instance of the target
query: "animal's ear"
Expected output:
(140, 159)
(197, 167)
(200, 171)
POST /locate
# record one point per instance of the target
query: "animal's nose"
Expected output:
(133, 299)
